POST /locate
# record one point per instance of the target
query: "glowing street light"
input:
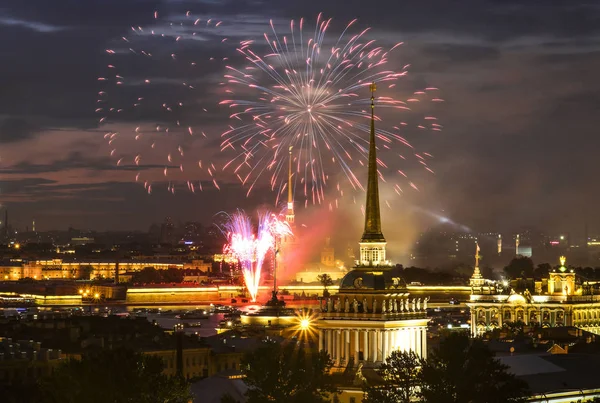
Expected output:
(304, 324)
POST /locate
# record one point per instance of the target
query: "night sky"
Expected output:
(520, 116)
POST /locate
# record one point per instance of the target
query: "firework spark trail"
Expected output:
(250, 248)
(306, 90)
(309, 93)
(148, 78)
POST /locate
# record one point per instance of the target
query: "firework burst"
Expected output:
(250, 246)
(311, 93)
(148, 104)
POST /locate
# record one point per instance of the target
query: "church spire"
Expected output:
(372, 214)
(290, 203)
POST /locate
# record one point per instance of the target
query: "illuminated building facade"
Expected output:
(371, 315)
(328, 265)
(562, 301)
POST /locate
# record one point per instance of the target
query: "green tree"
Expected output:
(172, 275)
(287, 373)
(326, 281)
(116, 376)
(401, 380)
(463, 270)
(488, 273)
(461, 370)
(148, 275)
(519, 267)
(542, 270)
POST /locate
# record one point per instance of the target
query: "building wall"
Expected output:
(171, 295)
(196, 362)
(8, 273)
(57, 269)
(490, 315)
(311, 275)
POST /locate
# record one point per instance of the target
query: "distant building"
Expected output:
(561, 301)
(80, 241)
(167, 232)
(328, 265)
(25, 361)
(287, 252)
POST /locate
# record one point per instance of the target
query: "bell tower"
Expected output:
(372, 243)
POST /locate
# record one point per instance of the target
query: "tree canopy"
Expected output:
(287, 373)
(459, 371)
(519, 267)
(463, 370)
(326, 280)
(149, 275)
(401, 376)
(116, 376)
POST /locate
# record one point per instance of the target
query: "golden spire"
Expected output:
(372, 214)
(290, 204)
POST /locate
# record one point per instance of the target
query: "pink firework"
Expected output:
(151, 108)
(249, 247)
(307, 90)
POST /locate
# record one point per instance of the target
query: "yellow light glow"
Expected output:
(305, 327)
(96, 295)
(17, 246)
(562, 260)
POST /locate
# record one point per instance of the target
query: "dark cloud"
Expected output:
(455, 53)
(518, 79)
(76, 160)
(16, 129)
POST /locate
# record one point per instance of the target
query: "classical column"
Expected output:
(338, 347)
(321, 340)
(329, 333)
(413, 339)
(346, 346)
(365, 345)
(424, 342)
(384, 345)
(419, 336)
(373, 335)
(474, 322)
(356, 347)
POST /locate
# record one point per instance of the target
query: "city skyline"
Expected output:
(519, 105)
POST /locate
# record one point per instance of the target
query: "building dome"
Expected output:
(371, 280)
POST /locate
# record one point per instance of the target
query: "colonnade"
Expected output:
(371, 345)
